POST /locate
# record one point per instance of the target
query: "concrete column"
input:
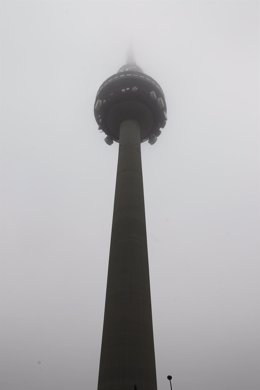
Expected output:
(127, 359)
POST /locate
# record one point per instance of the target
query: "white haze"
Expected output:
(201, 187)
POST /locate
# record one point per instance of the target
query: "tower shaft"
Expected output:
(127, 353)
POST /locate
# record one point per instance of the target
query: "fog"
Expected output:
(201, 182)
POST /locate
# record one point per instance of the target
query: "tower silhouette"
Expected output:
(130, 108)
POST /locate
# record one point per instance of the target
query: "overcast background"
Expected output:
(201, 187)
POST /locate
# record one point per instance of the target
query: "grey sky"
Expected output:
(201, 185)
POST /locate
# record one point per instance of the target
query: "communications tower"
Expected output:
(130, 108)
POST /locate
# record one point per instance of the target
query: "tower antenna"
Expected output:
(130, 55)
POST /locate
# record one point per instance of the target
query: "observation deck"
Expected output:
(130, 94)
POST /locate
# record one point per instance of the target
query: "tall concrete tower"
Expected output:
(130, 108)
